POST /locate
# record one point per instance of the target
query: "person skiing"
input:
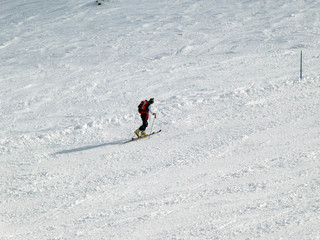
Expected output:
(144, 108)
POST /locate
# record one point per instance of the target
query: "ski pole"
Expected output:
(152, 124)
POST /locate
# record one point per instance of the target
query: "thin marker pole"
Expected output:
(301, 65)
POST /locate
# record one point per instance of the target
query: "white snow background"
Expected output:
(239, 152)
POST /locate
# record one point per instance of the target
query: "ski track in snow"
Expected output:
(238, 155)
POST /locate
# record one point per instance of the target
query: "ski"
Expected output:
(142, 137)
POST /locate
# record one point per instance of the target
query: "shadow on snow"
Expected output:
(85, 148)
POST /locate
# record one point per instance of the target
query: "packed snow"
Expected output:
(238, 156)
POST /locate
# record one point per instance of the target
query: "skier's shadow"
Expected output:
(85, 148)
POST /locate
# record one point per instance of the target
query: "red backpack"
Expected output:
(143, 107)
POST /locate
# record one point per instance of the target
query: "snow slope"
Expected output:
(238, 155)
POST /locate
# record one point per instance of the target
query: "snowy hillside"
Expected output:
(239, 152)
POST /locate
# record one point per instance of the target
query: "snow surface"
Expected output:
(238, 155)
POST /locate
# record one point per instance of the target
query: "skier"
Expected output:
(144, 108)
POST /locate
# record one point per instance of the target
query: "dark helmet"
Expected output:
(151, 100)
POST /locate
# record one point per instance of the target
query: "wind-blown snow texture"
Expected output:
(238, 155)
